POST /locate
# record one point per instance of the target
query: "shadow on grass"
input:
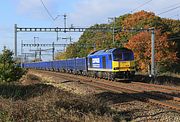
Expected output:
(23, 92)
(158, 80)
(68, 81)
(114, 98)
(117, 98)
(99, 104)
(80, 105)
(147, 116)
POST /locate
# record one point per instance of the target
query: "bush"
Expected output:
(9, 70)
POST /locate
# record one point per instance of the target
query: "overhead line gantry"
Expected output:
(95, 29)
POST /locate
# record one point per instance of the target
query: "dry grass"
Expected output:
(40, 102)
(177, 75)
(169, 79)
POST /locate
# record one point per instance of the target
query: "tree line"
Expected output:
(167, 44)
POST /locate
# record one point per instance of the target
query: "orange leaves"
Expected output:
(141, 45)
(132, 20)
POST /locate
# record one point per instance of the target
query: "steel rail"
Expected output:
(143, 96)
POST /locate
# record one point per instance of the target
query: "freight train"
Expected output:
(111, 64)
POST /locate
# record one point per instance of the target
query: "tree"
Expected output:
(141, 45)
(167, 38)
(9, 70)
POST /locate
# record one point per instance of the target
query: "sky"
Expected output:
(80, 13)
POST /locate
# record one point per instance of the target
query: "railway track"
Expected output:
(159, 99)
(164, 91)
(157, 86)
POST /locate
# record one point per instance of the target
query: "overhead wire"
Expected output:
(48, 12)
(169, 10)
(171, 6)
(141, 5)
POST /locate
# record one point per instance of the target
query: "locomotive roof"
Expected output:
(108, 51)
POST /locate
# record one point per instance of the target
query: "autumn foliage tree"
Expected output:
(139, 18)
(164, 50)
(140, 43)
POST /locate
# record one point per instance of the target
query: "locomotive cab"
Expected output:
(116, 63)
(123, 63)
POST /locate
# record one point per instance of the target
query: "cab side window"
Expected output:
(118, 57)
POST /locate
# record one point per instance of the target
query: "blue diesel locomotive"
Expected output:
(116, 63)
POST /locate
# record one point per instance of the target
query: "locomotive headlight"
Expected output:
(116, 68)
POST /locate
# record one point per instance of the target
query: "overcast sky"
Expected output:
(80, 13)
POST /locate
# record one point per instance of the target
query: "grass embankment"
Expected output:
(40, 102)
(163, 79)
